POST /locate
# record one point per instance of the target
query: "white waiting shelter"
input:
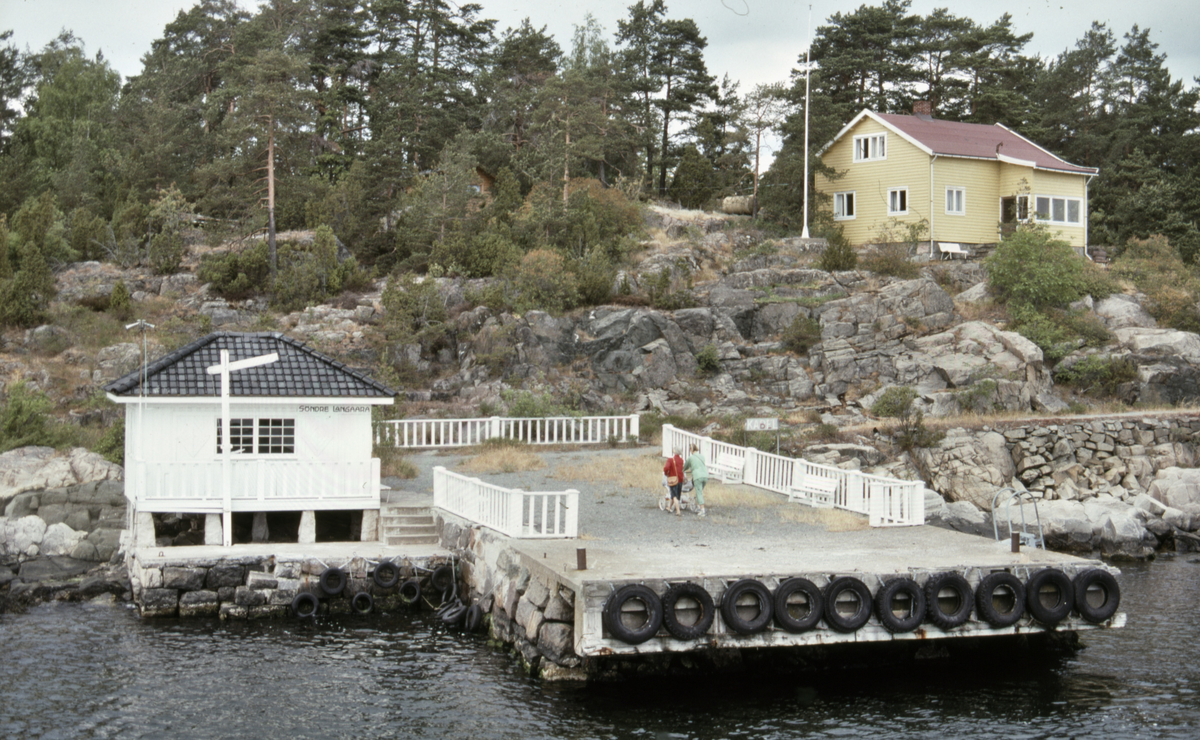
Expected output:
(298, 437)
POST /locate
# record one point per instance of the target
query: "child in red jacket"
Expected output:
(674, 472)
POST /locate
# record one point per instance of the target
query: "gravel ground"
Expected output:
(613, 513)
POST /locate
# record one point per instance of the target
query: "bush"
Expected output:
(166, 252)
(708, 360)
(1171, 287)
(897, 402)
(838, 255)
(895, 244)
(1098, 375)
(1057, 332)
(237, 274)
(594, 277)
(25, 420)
(543, 282)
(120, 303)
(529, 405)
(801, 335)
(1030, 266)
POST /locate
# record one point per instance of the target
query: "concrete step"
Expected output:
(406, 521)
(396, 510)
(401, 529)
(412, 539)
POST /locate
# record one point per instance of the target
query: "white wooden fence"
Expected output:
(255, 485)
(888, 502)
(416, 433)
(512, 512)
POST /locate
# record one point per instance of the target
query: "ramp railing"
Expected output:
(423, 433)
(509, 511)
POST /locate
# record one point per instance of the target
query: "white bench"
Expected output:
(949, 249)
(726, 473)
(814, 491)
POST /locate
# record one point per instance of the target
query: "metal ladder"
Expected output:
(1027, 538)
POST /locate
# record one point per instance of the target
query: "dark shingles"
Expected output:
(300, 371)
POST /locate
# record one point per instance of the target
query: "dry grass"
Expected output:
(719, 494)
(394, 464)
(503, 460)
(832, 520)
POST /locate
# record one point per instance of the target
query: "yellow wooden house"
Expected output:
(969, 182)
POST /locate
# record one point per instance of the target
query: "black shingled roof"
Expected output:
(300, 371)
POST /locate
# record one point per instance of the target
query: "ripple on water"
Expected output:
(99, 672)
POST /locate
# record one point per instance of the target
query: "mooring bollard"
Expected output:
(581, 558)
(1016, 542)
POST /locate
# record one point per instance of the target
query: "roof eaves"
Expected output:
(1035, 145)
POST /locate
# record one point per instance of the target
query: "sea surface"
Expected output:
(92, 671)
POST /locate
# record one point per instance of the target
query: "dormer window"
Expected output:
(869, 148)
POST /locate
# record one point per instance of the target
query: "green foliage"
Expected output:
(527, 404)
(708, 360)
(40, 225)
(594, 275)
(120, 303)
(895, 243)
(542, 282)
(165, 252)
(1097, 375)
(595, 218)
(838, 255)
(1172, 287)
(86, 234)
(25, 298)
(1058, 332)
(414, 315)
(25, 420)
(237, 274)
(1031, 267)
(801, 334)
(692, 181)
(111, 444)
(897, 402)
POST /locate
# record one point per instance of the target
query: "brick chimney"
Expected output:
(923, 108)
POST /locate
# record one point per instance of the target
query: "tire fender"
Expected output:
(707, 611)
(305, 605)
(847, 622)
(333, 581)
(654, 614)
(984, 599)
(1102, 579)
(410, 592)
(1049, 580)
(962, 590)
(386, 575)
(362, 603)
(885, 597)
(816, 605)
(735, 621)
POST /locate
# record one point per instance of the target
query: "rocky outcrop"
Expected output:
(29, 468)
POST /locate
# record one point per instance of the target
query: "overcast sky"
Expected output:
(753, 41)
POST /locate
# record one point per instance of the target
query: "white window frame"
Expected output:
(253, 436)
(870, 148)
(839, 205)
(898, 197)
(962, 201)
(1052, 200)
(1024, 212)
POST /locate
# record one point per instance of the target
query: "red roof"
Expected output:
(949, 138)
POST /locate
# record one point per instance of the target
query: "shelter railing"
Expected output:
(509, 511)
(420, 433)
(888, 502)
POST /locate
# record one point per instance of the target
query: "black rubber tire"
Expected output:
(474, 618)
(883, 605)
(442, 578)
(984, 595)
(386, 575)
(305, 605)
(654, 614)
(1037, 584)
(453, 616)
(708, 611)
(1112, 595)
(333, 581)
(410, 592)
(816, 605)
(729, 613)
(362, 603)
(847, 622)
(966, 600)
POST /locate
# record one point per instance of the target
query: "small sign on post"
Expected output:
(767, 424)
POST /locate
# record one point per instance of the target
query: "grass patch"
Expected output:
(503, 459)
(393, 463)
(831, 520)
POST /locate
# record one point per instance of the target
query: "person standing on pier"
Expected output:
(695, 465)
(674, 472)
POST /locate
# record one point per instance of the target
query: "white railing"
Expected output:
(414, 433)
(888, 502)
(512, 512)
(255, 485)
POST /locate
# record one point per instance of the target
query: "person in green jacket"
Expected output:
(695, 465)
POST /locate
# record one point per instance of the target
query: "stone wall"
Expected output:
(528, 608)
(250, 587)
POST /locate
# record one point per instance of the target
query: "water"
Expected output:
(71, 671)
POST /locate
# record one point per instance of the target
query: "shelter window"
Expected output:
(868, 148)
(956, 201)
(898, 202)
(1056, 210)
(843, 206)
(241, 436)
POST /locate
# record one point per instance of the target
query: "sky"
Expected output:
(753, 41)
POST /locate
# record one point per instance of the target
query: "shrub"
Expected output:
(801, 334)
(237, 274)
(1030, 266)
(838, 255)
(1171, 287)
(120, 304)
(594, 275)
(166, 252)
(25, 420)
(897, 402)
(527, 404)
(708, 360)
(542, 281)
(1097, 375)
(894, 245)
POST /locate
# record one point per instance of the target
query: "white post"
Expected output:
(635, 421)
(807, 74)
(223, 369)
